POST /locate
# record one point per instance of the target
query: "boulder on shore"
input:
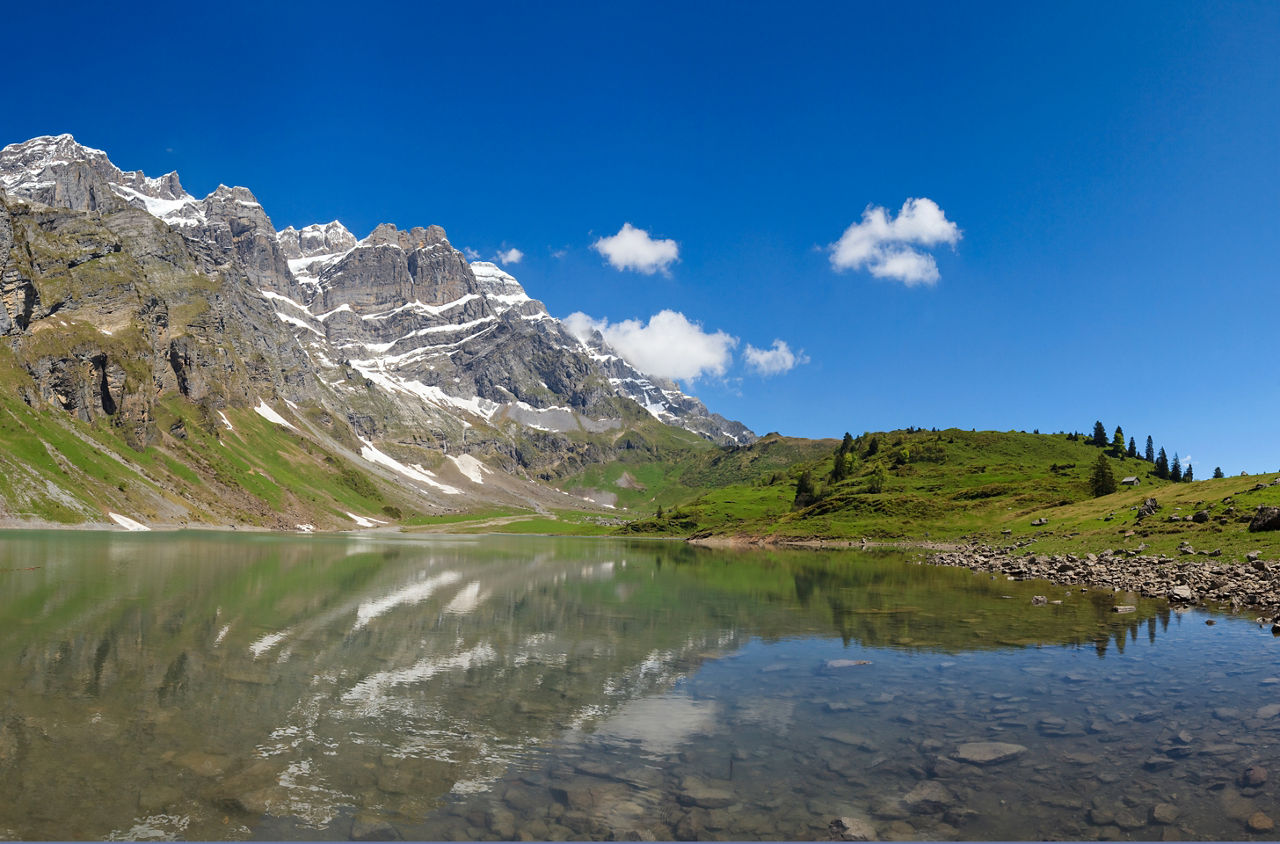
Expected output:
(1267, 518)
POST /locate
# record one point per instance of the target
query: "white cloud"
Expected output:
(580, 325)
(509, 256)
(885, 246)
(669, 346)
(906, 265)
(776, 360)
(632, 249)
(472, 255)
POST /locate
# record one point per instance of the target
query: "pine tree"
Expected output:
(1187, 477)
(1099, 435)
(1150, 453)
(658, 515)
(1102, 482)
(1133, 448)
(1175, 471)
(879, 477)
(1117, 443)
(840, 470)
(806, 493)
(1162, 465)
(1217, 472)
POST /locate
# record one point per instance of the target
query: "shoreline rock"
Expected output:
(1254, 585)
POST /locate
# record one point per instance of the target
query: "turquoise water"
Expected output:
(222, 686)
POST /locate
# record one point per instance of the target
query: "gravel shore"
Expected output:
(1252, 586)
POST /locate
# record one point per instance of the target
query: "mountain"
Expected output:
(145, 313)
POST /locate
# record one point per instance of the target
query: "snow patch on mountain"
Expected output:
(183, 211)
(412, 472)
(128, 523)
(470, 467)
(264, 410)
(420, 308)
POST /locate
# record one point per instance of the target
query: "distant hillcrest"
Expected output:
(118, 289)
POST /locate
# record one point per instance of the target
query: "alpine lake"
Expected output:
(236, 686)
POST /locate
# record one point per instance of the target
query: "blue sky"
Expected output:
(1112, 173)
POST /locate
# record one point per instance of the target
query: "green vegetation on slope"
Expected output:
(913, 485)
(56, 468)
(673, 472)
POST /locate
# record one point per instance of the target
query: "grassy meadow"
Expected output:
(945, 486)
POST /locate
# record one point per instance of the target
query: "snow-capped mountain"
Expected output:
(397, 333)
(407, 311)
(59, 172)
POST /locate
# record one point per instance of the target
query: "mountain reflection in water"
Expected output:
(225, 686)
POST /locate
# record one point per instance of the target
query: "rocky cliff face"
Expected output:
(59, 172)
(111, 310)
(118, 289)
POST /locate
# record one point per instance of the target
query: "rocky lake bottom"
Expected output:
(227, 687)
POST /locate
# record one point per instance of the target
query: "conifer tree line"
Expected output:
(1102, 479)
(1161, 467)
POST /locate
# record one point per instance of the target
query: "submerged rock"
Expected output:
(1128, 819)
(204, 764)
(370, 827)
(1254, 776)
(833, 664)
(987, 752)
(697, 792)
(851, 739)
(928, 797)
(851, 829)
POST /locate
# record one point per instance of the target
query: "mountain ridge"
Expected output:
(121, 290)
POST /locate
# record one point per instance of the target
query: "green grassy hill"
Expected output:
(644, 479)
(235, 467)
(914, 485)
(58, 469)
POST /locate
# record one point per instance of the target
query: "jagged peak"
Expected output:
(56, 149)
(233, 192)
(315, 239)
(39, 169)
(24, 166)
(239, 195)
(494, 279)
(415, 238)
(332, 225)
(168, 186)
(50, 150)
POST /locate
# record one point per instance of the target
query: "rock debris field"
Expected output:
(1252, 586)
